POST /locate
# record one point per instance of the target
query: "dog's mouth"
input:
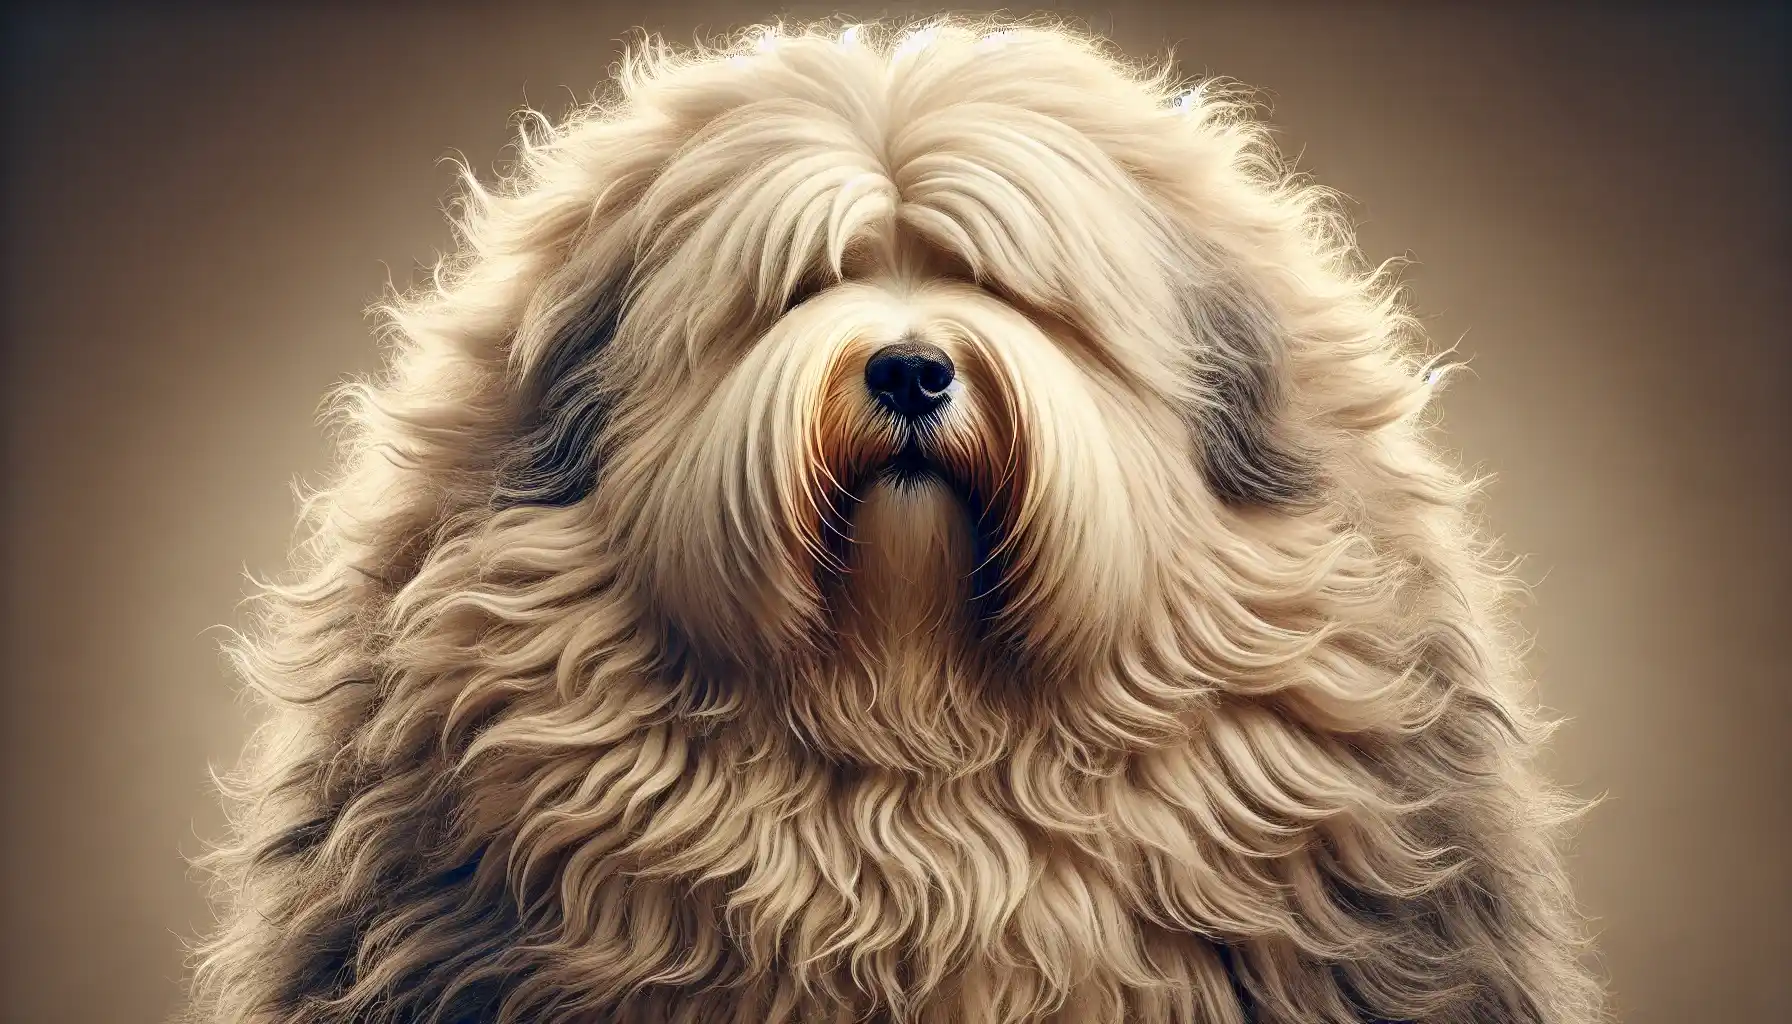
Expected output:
(912, 466)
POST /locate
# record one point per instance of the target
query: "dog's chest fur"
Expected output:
(983, 879)
(962, 899)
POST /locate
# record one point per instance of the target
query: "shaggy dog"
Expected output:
(921, 527)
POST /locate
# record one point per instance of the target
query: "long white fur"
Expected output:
(733, 737)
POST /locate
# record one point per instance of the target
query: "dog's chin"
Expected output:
(920, 544)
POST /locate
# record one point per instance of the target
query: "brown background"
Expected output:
(201, 202)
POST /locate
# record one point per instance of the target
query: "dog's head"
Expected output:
(981, 339)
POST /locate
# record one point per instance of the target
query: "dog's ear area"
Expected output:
(1248, 451)
(553, 459)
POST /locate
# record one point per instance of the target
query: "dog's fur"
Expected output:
(625, 681)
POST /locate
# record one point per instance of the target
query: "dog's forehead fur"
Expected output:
(1000, 155)
(627, 680)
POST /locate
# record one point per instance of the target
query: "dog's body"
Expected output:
(925, 529)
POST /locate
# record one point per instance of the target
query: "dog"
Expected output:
(926, 523)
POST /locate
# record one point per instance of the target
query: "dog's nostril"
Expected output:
(935, 377)
(910, 378)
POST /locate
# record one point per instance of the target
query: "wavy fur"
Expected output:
(622, 682)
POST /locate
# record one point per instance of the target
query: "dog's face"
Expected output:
(935, 359)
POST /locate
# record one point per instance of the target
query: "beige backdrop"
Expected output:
(201, 203)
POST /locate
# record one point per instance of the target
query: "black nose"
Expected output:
(909, 378)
